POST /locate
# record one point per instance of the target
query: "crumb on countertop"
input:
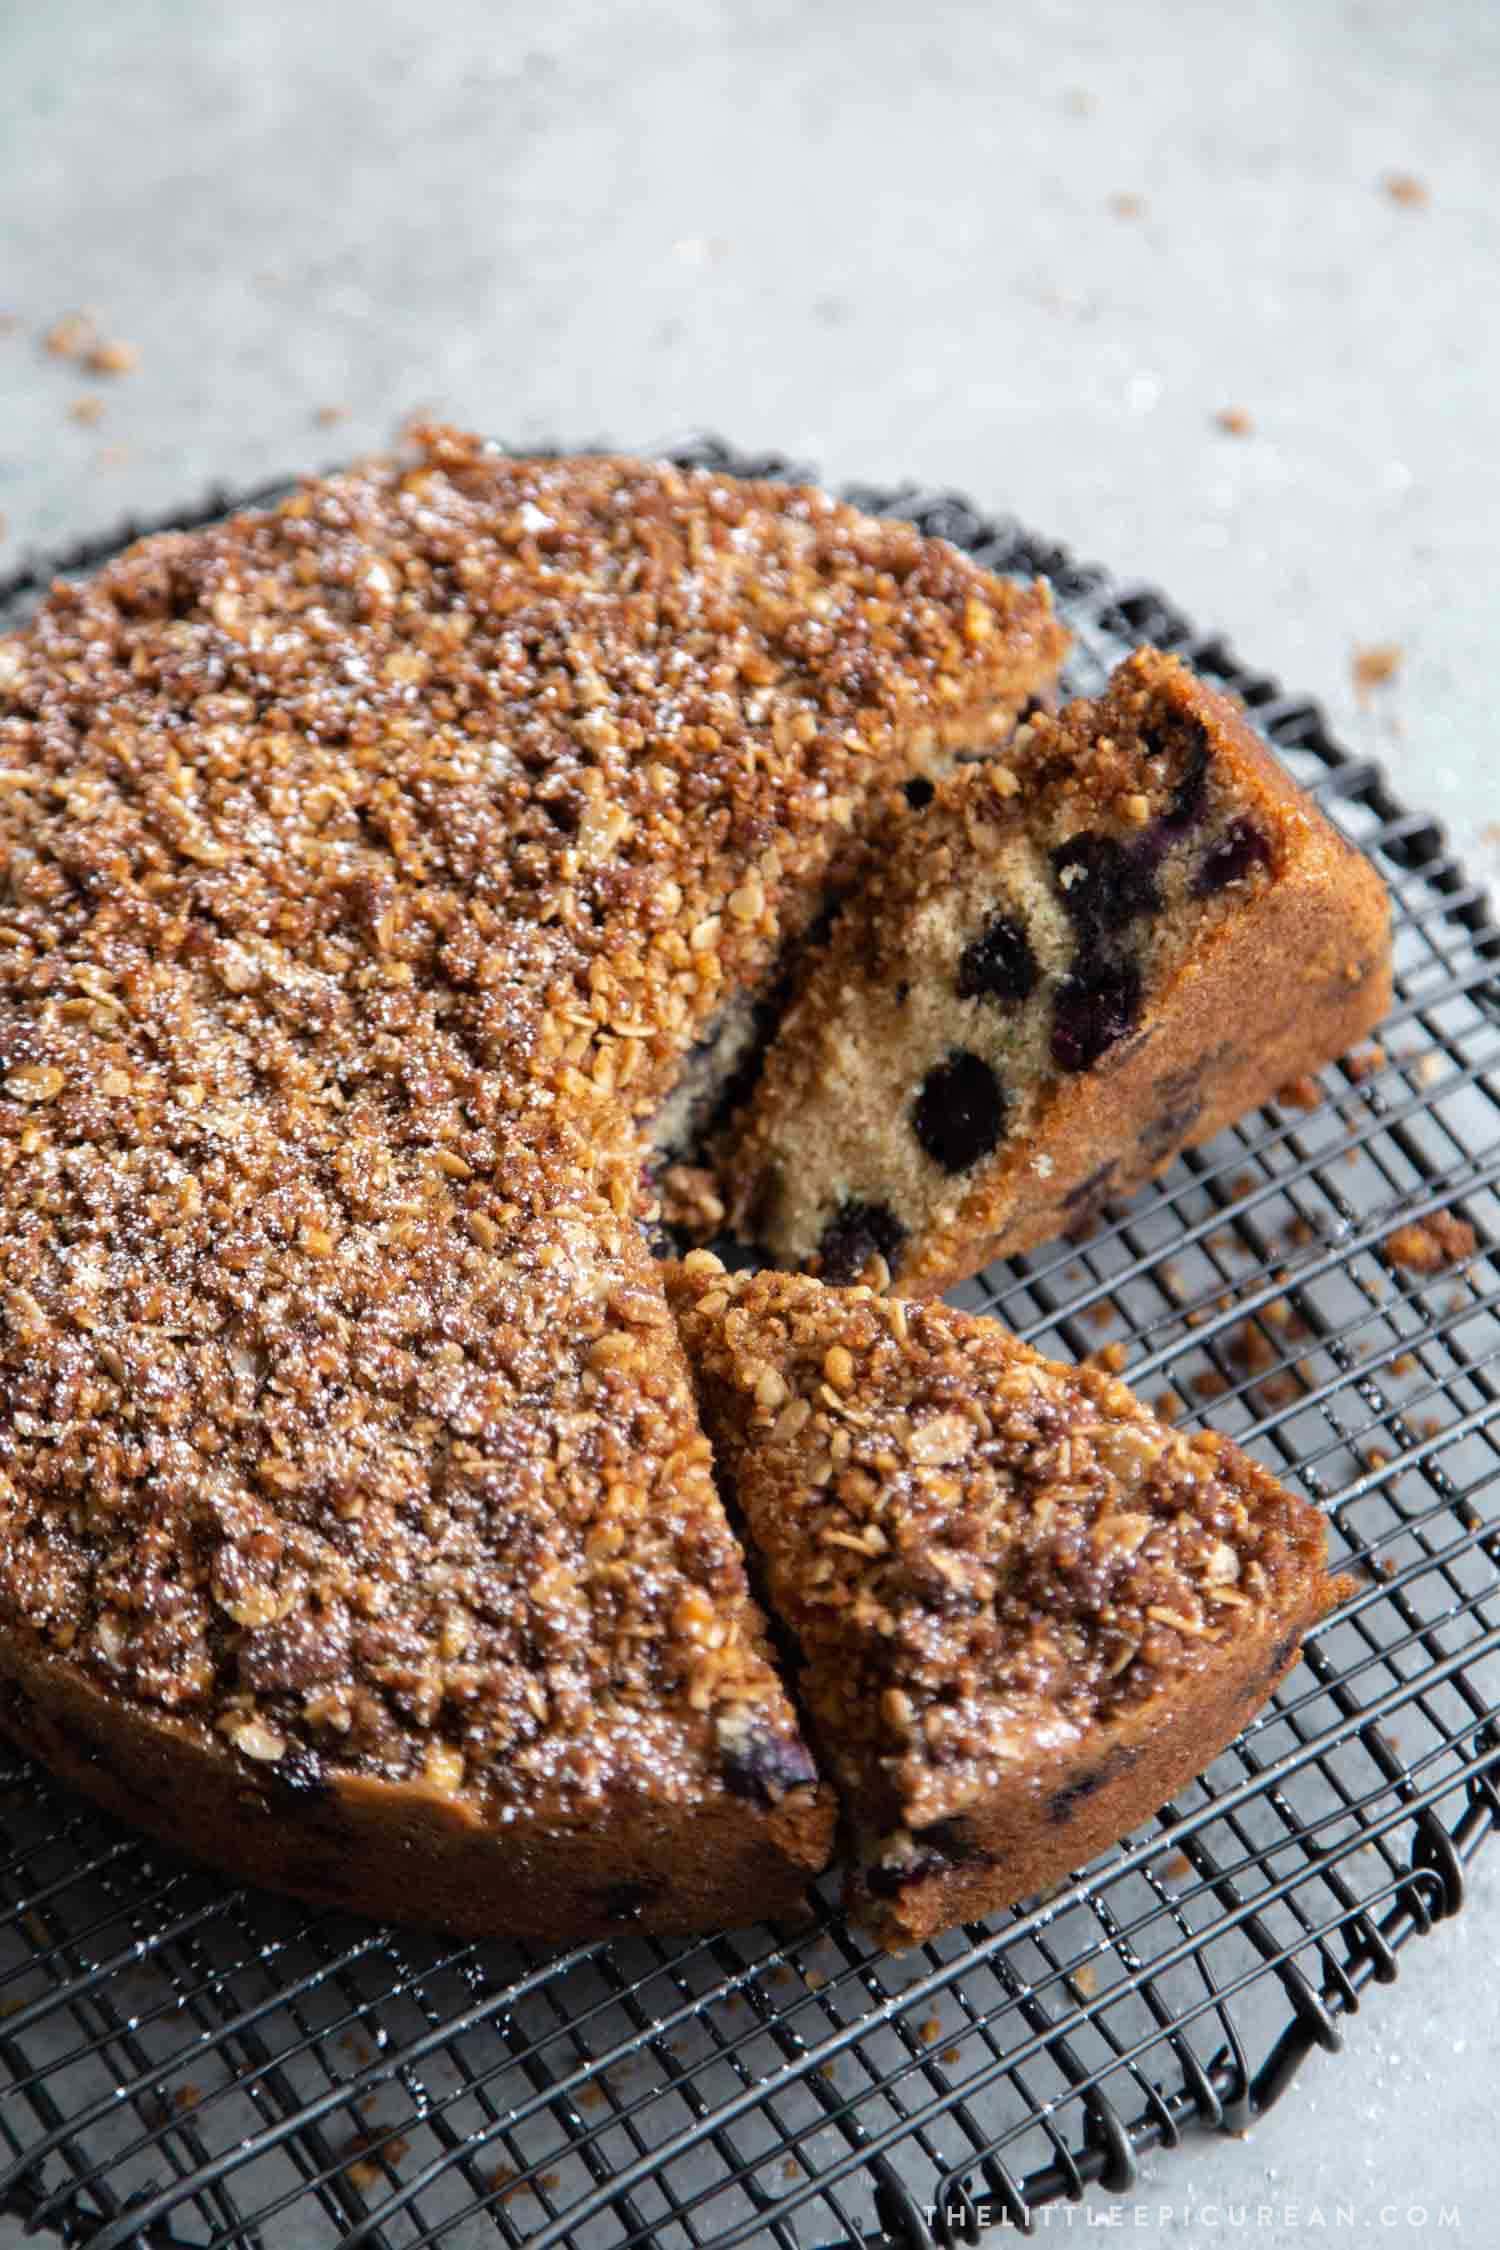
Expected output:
(111, 355)
(1374, 665)
(1405, 188)
(1235, 421)
(70, 336)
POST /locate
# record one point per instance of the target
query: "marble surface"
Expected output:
(1032, 251)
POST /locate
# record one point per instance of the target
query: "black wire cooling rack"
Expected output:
(185, 2063)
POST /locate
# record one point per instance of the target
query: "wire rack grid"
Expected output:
(184, 2063)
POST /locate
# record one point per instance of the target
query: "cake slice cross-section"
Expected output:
(1066, 965)
(1026, 1611)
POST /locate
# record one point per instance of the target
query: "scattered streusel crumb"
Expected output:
(1235, 421)
(1300, 1093)
(929, 2028)
(1249, 1347)
(1111, 1357)
(1431, 1244)
(70, 337)
(1085, 1980)
(327, 416)
(1128, 205)
(1374, 666)
(1365, 1063)
(111, 355)
(691, 1202)
(1405, 188)
(87, 409)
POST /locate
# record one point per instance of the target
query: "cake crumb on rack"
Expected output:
(1432, 1244)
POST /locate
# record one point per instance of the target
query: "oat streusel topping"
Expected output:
(556, 751)
(979, 1551)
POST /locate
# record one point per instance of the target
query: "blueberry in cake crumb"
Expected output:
(959, 1114)
(1239, 851)
(857, 1233)
(999, 964)
(918, 792)
(1105, 885)
(1094, 1011)
(1187, 805)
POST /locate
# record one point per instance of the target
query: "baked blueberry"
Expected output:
(1105, 884)
(918, 792)
(959, 1114)
(626, 1902)
(1187, 798)
(763, 1767)
(300, 1773)
(856, 1233)
(953, 1837)
(1095, 1188)
(999, 964)
(1094, 1010)
(1239, 851)
(1171, 1127)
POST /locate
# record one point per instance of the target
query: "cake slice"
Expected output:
(1064, 967)
(1026, 1611)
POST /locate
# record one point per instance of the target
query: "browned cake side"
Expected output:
(1027, 1611)
(1064, 968)
(387, 1569)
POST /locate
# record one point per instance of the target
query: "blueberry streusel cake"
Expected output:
(1026, 1611)
(392, 879)
(1064, 965)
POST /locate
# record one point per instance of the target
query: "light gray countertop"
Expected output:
(891, 240)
